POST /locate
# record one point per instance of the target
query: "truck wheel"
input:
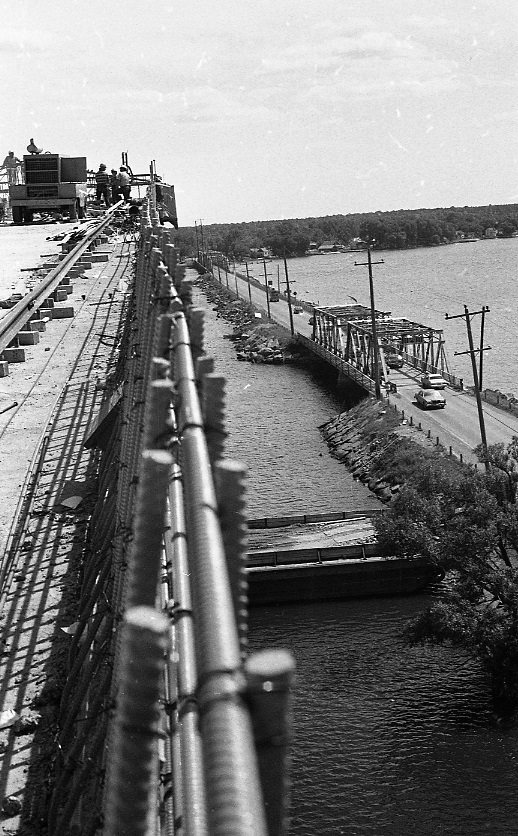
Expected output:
(28, 215)
(73, 212)
(17, 214)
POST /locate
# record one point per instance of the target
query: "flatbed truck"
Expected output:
(52, 184)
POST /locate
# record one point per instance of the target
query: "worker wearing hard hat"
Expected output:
(125, 182)
(102, 180)
(11, 164)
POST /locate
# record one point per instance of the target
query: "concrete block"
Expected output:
(37, 325)
(63, 313)
(59, 295)
(13, 355)
(49, 302)
(67, 288)
(98, 257)
(28, 337)
(45, 313)
(4, 368)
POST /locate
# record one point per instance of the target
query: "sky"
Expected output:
(274, 108)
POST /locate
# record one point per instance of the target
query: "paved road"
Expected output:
(457, 425)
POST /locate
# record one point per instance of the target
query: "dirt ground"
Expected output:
(25, 247)
(35, 384)
(57, 392)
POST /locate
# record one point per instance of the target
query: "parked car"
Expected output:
(394, 361)
(433, 381)
(430, 399)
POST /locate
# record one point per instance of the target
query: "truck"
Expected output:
(53, 183)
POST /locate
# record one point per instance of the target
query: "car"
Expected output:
(433, 381)
(430, 399)
(394, 361)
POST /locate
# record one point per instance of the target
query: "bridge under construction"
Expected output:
(130, 703)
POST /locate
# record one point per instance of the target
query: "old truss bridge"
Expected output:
(345, 337)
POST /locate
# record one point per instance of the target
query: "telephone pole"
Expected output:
(267, 289)
(248, 280)
(197, 242)
(375, 345)
(476, 379)
(292, 327)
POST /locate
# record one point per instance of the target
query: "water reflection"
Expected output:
(389, 739)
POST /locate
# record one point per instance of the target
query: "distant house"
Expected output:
(329, 247)
(490, 232)
(260, 252)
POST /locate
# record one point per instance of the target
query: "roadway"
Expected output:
(457, 425)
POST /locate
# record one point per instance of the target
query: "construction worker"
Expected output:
(125, 183)
(11, 164)
(115, 185)
(102, 179)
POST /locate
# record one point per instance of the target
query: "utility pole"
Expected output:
(248, 280)
(267, 290)
(197, 242)
(292, 327)
(235, 276)
(201, 234)
(375, 345)
(484, 310)
(476, 381)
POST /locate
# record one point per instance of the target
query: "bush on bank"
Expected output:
(459, 518)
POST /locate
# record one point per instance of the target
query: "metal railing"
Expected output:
(198, 731)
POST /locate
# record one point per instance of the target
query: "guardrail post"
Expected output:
(230, 492)
(270, 676)
(132, 779)
(149, 525)
(213, 406)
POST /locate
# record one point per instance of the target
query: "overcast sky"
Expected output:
(273, 108)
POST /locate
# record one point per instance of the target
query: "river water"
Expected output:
(389, 740)
(423, 285)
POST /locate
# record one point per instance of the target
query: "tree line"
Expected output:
(399, 229)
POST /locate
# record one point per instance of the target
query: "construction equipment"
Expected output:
(52, 184)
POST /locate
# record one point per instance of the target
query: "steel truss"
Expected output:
(347, 333)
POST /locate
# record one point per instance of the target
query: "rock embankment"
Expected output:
(378, 447)
(254, 341)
